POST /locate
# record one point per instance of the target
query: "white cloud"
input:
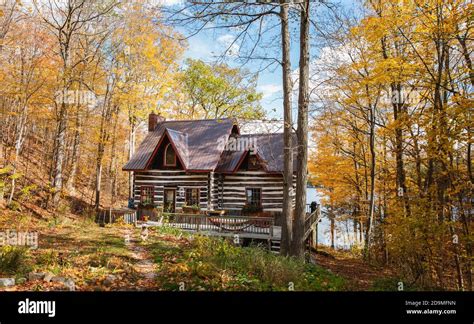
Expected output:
(226, 39)
(232, 48)
(199, 49)
(323, 71)
(260, 126)
(168, 2)
(269, 90)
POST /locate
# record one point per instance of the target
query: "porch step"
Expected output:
(275, 246)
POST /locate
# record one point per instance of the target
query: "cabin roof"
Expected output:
(268, 148)
(199, 144)
(195, 140)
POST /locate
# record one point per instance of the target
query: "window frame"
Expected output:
(144, 192)
(198, 196)
(247, 202)
(257, 163)
(165, 163)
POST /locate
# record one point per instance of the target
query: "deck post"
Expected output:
(314, 235)
(210, 191)
(314, 231)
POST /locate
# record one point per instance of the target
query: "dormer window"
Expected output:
(253, 162)
(170, 156)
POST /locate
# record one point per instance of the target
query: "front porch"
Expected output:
(226, 226)
(213, 224)
(242, 227)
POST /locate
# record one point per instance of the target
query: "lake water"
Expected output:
(343, 239)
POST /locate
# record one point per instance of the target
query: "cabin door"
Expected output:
(169, 200)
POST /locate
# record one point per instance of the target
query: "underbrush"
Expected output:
(397, 284)
(14, 260)
(216, 264)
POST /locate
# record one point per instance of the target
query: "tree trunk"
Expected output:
(333, 228)
(98, 182)
(131, 151)
(297, 246)
(467, 58)
(113, 163)
(59, 154)
(103, 137)
(75, 152)
(19, 139)
(370, 219)
(286, 236)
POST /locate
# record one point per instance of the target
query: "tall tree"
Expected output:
(297, 246)
(217, 91)
(67, 20)
(287, 228)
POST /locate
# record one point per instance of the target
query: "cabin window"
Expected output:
(253, 162)
(146, 195)
(170, 156)
(192, 197)
(254, 197)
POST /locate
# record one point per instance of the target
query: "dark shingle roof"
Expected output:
(201, 152)
(180, 141)
(269, 148)
(199, 144)
(229, 160)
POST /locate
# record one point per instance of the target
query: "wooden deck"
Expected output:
(229, 226)
(273, 234)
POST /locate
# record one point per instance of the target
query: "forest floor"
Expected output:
(359, 275)
(119, 257)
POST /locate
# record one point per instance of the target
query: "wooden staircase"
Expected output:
(275, 246)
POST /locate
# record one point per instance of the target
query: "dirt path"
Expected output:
(360, 275)
(144, 266)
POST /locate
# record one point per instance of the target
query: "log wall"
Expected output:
(217, 191)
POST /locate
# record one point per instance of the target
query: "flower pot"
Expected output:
(190, 210)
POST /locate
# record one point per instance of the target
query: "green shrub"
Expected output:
(170, 230)
(393, 284)
(47, 258)
(63, 209)
(26, 192)
(15, 206)
(13, 260)
(216, 264)
(54, 221)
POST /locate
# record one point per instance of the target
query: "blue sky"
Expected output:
(210, 44)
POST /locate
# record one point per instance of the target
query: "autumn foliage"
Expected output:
(394, 139)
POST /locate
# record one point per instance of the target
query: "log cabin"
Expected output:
(209, 165)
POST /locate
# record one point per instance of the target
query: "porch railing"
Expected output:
(229, 224)
(310, 220)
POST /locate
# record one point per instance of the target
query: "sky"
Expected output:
(209, 45)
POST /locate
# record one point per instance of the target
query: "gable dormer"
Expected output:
(251, 162)
(166, 156)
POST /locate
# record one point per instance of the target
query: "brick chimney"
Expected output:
(153, 120)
